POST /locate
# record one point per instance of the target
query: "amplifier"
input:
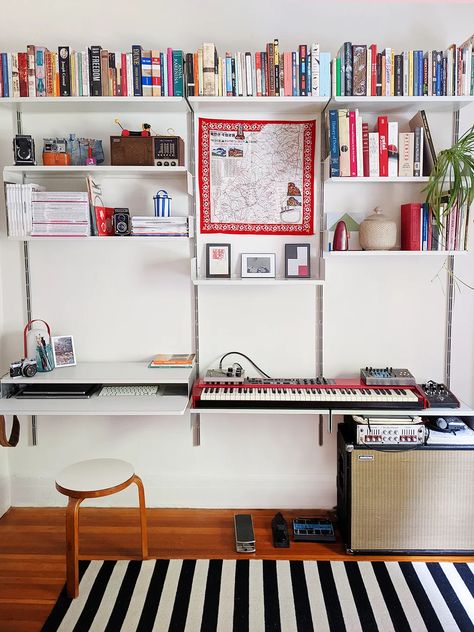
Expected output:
(391, 434)
(147, 151)
(411, 500)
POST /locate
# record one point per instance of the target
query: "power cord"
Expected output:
(243, 356)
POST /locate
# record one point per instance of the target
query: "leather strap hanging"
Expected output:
(14, 435)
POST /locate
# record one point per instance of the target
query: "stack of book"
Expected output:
(160, 226)
(170, 361)
(361, 70)
(355, 151)
(60, 214)
(421, 231)
(19, 208)
(94, 72)
(305, 72)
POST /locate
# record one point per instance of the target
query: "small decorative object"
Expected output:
(258, 265)
(145, 131)
(83, 150)
(162, 203)
(23, 367)
(122, 222)
(341, 236)
(37, 345)
(297, 261)
(377, 232)
(55, 152)
(24, 150)
(218, 261)
(63, 350)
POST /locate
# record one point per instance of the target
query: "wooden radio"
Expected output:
(160, 151)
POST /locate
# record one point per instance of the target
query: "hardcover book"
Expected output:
(406, 143)
(359, 70)
(64, 72)
(382, 128)
(393, 149)
(95, 71)
(410, 227)
(164, 360)
(137, 70)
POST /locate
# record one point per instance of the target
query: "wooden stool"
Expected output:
(93, 479)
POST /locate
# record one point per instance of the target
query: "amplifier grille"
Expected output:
(412, 500)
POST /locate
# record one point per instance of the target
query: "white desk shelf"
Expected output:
(463, 411)
(252, 105)
(239, 282)
(51, 105)
(387, 105)
(391, 253)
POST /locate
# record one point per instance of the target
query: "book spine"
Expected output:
(410, 73)
(315, 70)
(178, 73)
(276, 62)
(95, 79)
(405, 65)
(378, 85)
(64, 72)
(337, 76)
(359, 70)
(112, 84)
(382, 128)
(40, 71)
(374, 155)
(302, 68)
(137, 70)
(393, 149)
(352, 143)
(334, 144)
(147, 85)
(155, 73)
(430, 152)
(410, 226)
(373, 70)
(420, 72)
(398, 76)
(165, 71)
(31, 71)
(130, 74)
(208, 69)
(415, 74)
(104, 72)
(23, 73)
(425, 75)
(85, 74)
(388, 71)
(365, 149)
(324, 74)
(308, 75)
(344, 157)
(15, 85)
(406, 151)
(347, 69)
(228, 73)
(438, 73)
(417, 152)
(169, 70)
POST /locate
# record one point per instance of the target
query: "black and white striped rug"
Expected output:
(264, 596)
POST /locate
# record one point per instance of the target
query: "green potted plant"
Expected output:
(451, 180)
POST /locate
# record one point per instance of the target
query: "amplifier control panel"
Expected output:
(392, 434)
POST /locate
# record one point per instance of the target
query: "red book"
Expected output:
(410, 226)
(104, 215)
(23, 73)
(365, 148)
(123, 74)
(352, 143)
(382, 128)
(288, 74)
(373, 72)
(258, 72)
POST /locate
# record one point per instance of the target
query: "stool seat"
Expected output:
(94, 478)
(94, 475)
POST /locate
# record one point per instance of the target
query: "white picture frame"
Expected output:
(258, 265)
(63, 351)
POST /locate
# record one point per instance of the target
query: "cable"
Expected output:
(247, 358)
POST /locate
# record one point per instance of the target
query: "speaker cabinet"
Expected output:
(417, 500)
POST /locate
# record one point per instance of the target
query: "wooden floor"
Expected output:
(32, 549)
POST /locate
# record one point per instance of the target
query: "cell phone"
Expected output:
(244, 534)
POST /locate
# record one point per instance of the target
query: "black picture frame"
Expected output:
(209, 272)
(292, 254)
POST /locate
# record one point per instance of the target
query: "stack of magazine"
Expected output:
(60, 214)
(172, 360)
(160, 226)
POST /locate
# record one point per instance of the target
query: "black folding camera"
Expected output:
(24, 150)
(122, 222)
(23, 367)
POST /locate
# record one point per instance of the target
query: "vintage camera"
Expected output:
(122, 222)
(24, 150)
(55, 152)
(23, 367)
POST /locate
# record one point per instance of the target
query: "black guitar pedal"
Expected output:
(439, 396)
(281, 538)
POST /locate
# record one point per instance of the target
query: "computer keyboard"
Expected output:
(129, 390)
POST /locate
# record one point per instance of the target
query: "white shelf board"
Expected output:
(236, 282)
(391, 253)
(109, 170)
(402, 104)
(107, 373)
(287, 105)
(103, 239)
(96, 104)
(139, 405)
(377, 180)
(260, 411)
(463, 411)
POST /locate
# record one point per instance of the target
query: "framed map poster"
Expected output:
(257, 176)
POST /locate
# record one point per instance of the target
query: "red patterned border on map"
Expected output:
(306, 227)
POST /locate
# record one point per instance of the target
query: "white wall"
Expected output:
(377, 312)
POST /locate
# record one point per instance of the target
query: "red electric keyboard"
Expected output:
(306, 393)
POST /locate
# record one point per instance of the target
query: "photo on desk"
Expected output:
(63, 351)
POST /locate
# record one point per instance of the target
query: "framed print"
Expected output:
(218, 261)
(297, 261)
(256, 177)
(63, 351)
(258, 265)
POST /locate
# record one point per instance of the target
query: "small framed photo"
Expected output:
(258, 265)
(297, 261)
(218, 261)
(63, 351)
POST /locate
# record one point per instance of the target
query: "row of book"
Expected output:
(305, 72)
(363, 70)
(39, 72)
(354, 151)
(172, 361)
(421, 230)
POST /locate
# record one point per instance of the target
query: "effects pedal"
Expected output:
(231, 375)
(244, 534)
(281, 539)
(439, 396)
(313, 530)
(387, 377)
